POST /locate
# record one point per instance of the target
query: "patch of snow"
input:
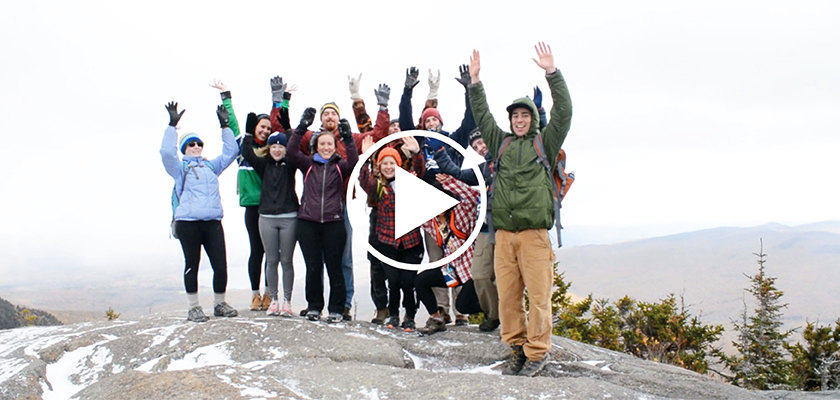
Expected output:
(116, 369)
(262, 325)
(372, 394)
(257, 365)
(278, 353)
(214, 354)
(449, 343)
(484, 369)
(148, 365)
(161, 334)
(361, 336)
(593, 363)
(294, 387)
(606, 367)
(9, 367)
(59, 372)
(110, 337)
(418, 361)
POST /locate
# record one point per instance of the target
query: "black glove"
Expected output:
(344, 130)
(225, 95)
(465, 75)
(382, 94)
(277, 89)
(306, 120)
(174, 115)
(283, 119)
(251, 123)
(412, 77)
(224, 116)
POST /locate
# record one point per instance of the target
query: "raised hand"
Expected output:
(546, 59)
(292, 87)
(225, 93)
(277, 89)
(411, 77)
(307, 119)
(382, 94)
(464, 80)
(434, 84)
(410, 144)
(475, 66)
(174, 115)
(537, 97)
(367, 142)
(344, 130)
(251, 123)
(224, 116)
(354, 86)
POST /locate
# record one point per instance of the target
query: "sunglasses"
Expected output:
(192, 144)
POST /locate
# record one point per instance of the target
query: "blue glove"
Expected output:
(537, 97)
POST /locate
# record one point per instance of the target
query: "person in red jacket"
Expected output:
(321, 231)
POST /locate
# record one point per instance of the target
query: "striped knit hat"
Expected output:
(186, 139)
(329, 105)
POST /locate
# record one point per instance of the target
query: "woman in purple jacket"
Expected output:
(320, 228)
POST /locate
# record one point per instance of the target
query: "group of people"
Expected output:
(512, 253)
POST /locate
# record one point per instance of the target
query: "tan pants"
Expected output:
(484, 276)
(524, 259)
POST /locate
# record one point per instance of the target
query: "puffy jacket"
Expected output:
(277, 195)
(323, 184)
(199, 199)
(523, 196)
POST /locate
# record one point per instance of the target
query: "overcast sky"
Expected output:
(685, 115)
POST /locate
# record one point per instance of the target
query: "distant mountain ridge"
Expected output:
(709, 266)
(12, 316)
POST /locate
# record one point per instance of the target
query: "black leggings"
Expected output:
(323, 244)
(400, 279)
(252, 224)
(194, 234)
(424, 283)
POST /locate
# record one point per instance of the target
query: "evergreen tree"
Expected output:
(816, 366)
(761, 360)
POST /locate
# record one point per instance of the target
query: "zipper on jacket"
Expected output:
(323, 188)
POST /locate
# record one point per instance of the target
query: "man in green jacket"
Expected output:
(522, 212)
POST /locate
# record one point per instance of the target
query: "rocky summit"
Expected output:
(255, 357)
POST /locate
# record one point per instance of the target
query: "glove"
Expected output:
(277, 89)
(307, 119)
(434, 85)
(411, 75)
(225, 95)
(537, 96)
(251, 123)
(382, 95)
(465, 75)
(344, 130)
(354, 87)
(174, 115)
(224, 116)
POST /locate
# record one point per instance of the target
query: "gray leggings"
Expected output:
(278, 238)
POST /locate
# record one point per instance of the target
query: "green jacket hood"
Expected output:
(535, 116)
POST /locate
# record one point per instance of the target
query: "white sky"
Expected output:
(705, 114)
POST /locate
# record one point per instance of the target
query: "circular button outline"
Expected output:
(482, 205)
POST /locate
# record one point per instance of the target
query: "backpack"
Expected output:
(560, 180)
(176, 196)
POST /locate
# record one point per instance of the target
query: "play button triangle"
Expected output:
(417, 202)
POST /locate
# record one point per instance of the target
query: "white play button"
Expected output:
(416, 202)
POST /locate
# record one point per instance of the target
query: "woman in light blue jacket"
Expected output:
(198, 214)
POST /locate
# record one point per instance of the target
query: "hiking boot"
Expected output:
(380, 317)
(334, 318)
(408, 325)
(304, 312)
(461, 320)
(266, 302)
(346, 315)
(393, 322)
(489, 325)
(433, 325)
(286, 311)
(446, 318)
(532, 368)
(256, 302)
(313, 315)
(273, 309)
(515, 362)
(196, 314)
(224, 309)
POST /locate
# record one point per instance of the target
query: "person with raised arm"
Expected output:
(523, 211)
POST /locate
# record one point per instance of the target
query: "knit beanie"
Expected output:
(430, 112)
(329, 105)
(277, 138)
(186, 139)
(387, 151)
(474, 135)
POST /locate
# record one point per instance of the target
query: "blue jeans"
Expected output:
(347, 262)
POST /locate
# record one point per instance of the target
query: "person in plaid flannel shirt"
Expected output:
(379, 185)
(450, 230)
